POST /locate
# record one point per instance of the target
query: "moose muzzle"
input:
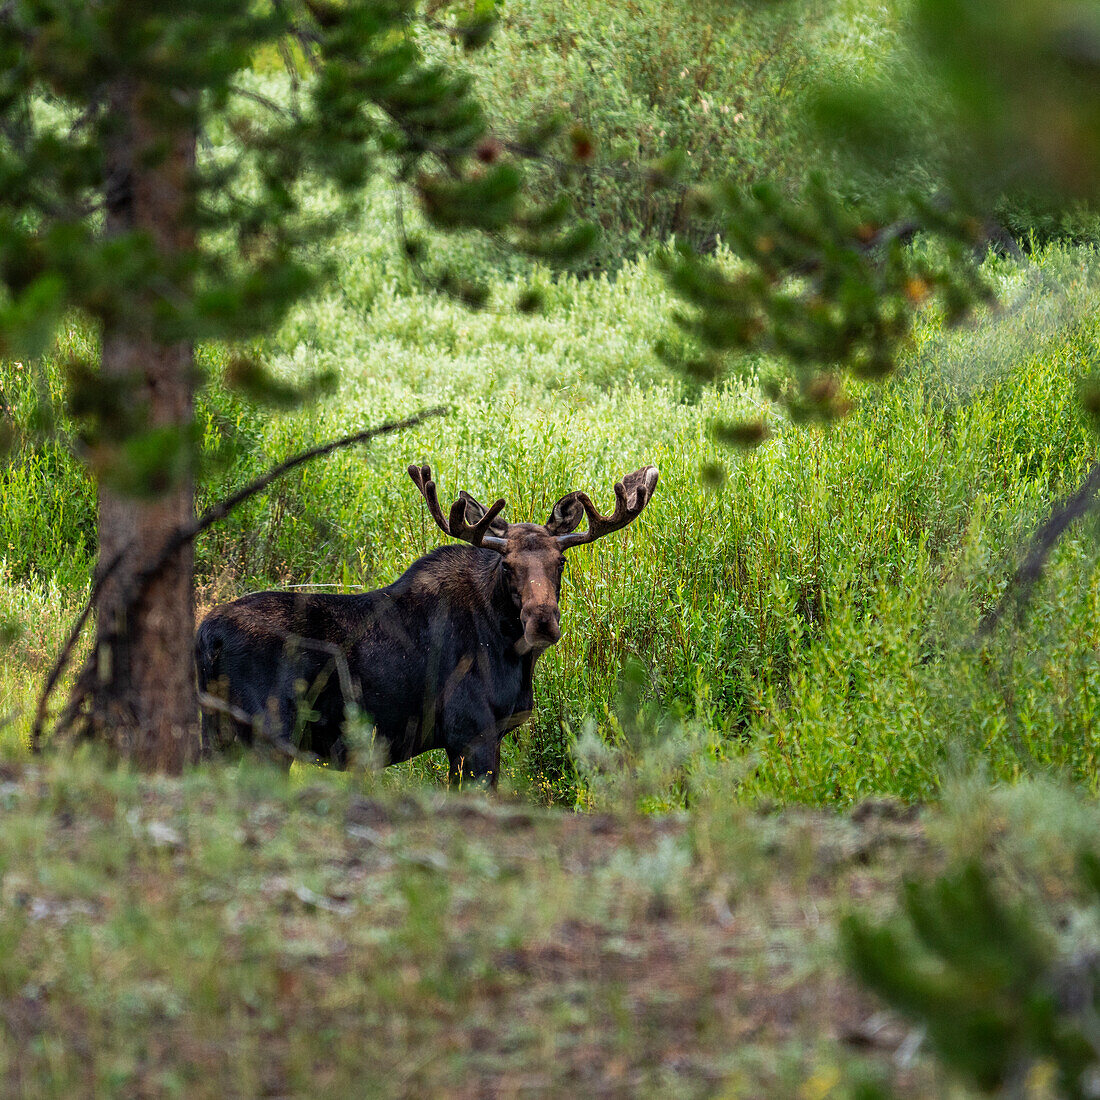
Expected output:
(541, 625)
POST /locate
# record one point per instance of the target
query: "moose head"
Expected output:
(533, 554)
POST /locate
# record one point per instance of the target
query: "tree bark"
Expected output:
(144, 703)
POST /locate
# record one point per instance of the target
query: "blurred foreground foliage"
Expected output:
(1003, 1003)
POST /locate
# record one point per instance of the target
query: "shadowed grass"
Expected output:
(236, 933)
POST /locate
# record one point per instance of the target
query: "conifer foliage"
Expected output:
(986, 979)
(112, 209)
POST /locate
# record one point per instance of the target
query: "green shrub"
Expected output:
(721, 82)
(995, 960)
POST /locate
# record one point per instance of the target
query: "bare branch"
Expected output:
(214, 705)
(183, 536)
(262, 100)
(307, 40)
(62, 660)
(339, 661)
(1062, 515)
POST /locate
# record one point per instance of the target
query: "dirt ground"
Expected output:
(253, 936)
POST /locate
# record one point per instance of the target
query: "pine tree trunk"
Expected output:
(144, 702)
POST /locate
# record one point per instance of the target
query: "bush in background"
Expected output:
(721, 82)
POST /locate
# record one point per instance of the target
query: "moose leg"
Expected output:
(475, 763)
(472, 738)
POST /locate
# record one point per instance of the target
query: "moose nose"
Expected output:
(542, 625)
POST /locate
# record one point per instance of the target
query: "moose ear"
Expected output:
(566, 515)
(475, 510)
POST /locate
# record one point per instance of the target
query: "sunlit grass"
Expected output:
(812, 614)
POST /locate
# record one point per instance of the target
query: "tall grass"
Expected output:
(812, 616)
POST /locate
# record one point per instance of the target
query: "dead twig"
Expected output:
(215, 705)
(62, 660)
(339, 662)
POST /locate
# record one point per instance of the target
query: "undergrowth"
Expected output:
(809, 614)
(239, 933)
(803, 615)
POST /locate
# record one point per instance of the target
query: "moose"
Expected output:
(442, 658)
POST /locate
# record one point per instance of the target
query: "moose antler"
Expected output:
(456, 526)
(632, 494)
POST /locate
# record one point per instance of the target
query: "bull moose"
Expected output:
(442, 658)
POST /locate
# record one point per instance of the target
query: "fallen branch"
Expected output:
(180, 538)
